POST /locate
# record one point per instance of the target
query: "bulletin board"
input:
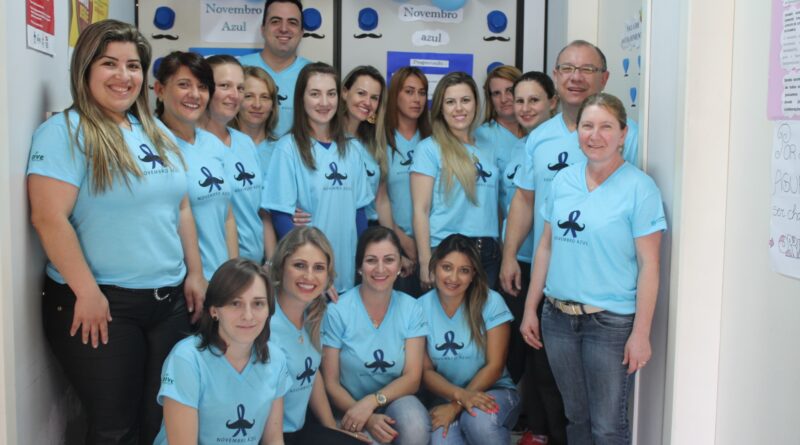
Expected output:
(229, 26)
(390, 34)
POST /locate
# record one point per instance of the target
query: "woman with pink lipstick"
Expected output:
(184, 82)
(315, 169)
(477, 403)
(374, 341)
(406, 123)
(242, 164)
(227, 382)
(454, 183)
(302, 269)
(108, 197)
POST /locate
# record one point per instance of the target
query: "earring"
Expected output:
(371, 118)
(360, 273)
(215, 318)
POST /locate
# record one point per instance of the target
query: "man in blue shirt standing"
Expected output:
(282, 29)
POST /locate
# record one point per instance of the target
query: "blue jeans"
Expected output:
(412, 422)
(484, 428)
(585, 353)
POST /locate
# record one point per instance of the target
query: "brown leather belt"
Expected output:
(574, 308)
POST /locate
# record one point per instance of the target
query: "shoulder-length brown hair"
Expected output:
(391, 120)
(272, 90)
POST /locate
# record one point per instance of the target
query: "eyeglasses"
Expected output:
(586, 70)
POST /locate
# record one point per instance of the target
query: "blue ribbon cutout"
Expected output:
(449, 344)
(335, 176)
(514, 173)
(151, 157)
(572, 224)
(240, 425)
(210, 180)
(562, 162)
(245, 177)
(307, 373)
(481, 173)
(379, 363)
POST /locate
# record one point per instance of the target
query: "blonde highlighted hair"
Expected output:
(287, 246)
(507, 72)
(457, 163)
(103, 144)
(272, 89)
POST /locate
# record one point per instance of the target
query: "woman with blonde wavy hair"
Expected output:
(302, 269)
(108, 195)
(454, 183)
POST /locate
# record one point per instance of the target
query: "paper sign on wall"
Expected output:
(784, 242)
(231, 21)
(40, 25)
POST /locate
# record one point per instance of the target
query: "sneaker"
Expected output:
(532, 439)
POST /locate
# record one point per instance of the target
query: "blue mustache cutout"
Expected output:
(281, 98)
(369, 173)
(410, 156)
(497, 38)
(245, 177)
(210, 180)
(379, 363)
(562, 162)
(571, 225)
(240, 425)
(314, 35)
(481, 173)
(449, 344)
(335, 176)
(149, 156)
(164, 36)
(367, 35)
(514, 173)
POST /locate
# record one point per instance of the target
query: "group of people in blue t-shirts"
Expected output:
(275, 256)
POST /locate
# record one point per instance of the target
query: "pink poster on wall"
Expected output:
(783, 101)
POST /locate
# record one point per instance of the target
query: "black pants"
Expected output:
(543, 408)
(117, 383)
(314, 433)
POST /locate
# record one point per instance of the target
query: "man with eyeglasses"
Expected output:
(580, 72)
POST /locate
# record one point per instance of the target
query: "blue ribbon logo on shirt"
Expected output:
(335, 176)
(245, 177)
(449, 344)
(481, 173)
(511, 175)
(562, 162)
(151, 157)
(572, 224)
(410, 160)
(210, 180)
(281, 99)
(369, 173)
(240, 425)
(307, 373)
(379, 363)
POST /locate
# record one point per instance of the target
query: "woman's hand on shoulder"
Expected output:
(92, 316)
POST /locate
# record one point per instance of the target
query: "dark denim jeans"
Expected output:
(585, 353)
(117, 383)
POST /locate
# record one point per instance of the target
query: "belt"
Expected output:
(574, 308)
(481, 241)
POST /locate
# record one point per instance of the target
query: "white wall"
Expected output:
(30, 84)
(758, 387)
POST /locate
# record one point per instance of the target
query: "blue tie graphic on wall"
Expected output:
(369, 173)
(312, 20)
(334, 175)
(150, 157)
(633, 96)
(449, 344)
(305, 376)
(409, 160)
(240, 425)
(210, 180)
(626, 62)
(571, 225)
(562, 162)
(379, 364)
(245, 177)
(367, 21)
(514, 173)
(481, 174)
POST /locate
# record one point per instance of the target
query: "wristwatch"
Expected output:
(381, 399)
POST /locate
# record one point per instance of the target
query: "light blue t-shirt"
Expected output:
(303, 362)
(450, 346)
(373, 171)
(232, 407)
(453, 212)
(593, 255)
(398, 184)
(285, 80)
(550, 148)
(243, 170)
(369, 357)
(209, 196)
(128, 234)
(514, 167)
(331, 194)
(264, 150)
(500, 139)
